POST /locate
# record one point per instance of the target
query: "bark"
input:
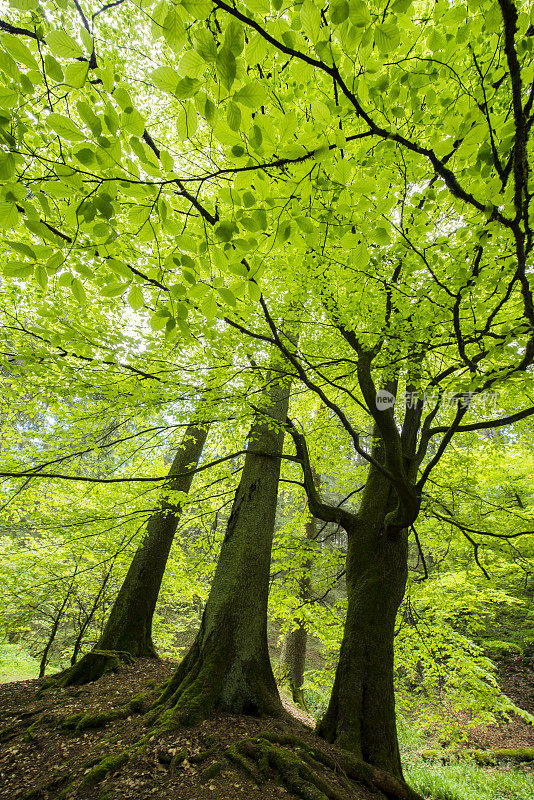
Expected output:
(128, 629)
(293, 654)
(361, 713)
(228, 665)
(129, 625)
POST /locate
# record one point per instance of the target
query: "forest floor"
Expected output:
(40, 758)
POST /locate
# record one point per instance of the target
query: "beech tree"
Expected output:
(127, 633)
(360, 159)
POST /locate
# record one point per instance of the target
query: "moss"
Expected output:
(211, 771)
(103, 768)
(82, 722)
(72, 721)
(519, 755)
(90, 667)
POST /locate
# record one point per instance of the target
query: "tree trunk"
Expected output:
(128, 630)
(293, 653)
(361, 713)
(228, 665)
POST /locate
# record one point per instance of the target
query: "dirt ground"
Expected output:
(40, 759)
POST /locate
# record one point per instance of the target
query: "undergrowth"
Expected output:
(463, 780)
(16, 663)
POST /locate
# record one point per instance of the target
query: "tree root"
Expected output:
(81, 722)
(103, 768)
(90, 667)
(299, 769)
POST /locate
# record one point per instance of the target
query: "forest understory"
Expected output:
(54, 745)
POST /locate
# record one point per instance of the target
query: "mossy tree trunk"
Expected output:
(128, 629)
(361, 713)
(228, 665)
(129, 625)
(293, 652)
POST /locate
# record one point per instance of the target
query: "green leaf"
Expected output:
(7, 166)
(165, 78)
(78, 291)
(9, 216)
(387, 37)
(85, 156)
(133, 123)
(254, 291)
(7, 64)
(23, 249)
(41, 276)
(173, 29)
(225, 231)
(252, 95)
(255, 138)
(227, 296)
(436, 41)
(17, 269)
(382, 236)
(233, 116)
(23, 5)
(339, 11)
(8, 99)
(310, 17)
(226, 67)
(205, 45)
(89, 117)
(186, 124)
(19, 51)
(64, 45)
(234, 38)
(135, 298)
(64, 127)
(187, 87)
(305, 224)
(359, 13)
(199, 9)
(401, 6)
(191, 64)
(76, 74)
(53, 68)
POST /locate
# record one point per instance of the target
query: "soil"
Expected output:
(516, 679)
(36, 751)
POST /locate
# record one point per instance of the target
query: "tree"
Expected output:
(228, 664)
(400, 226)
(128, 628)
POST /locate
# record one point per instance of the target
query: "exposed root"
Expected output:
(90, 667)
(81, 722)
(103, 768)
(301, 769)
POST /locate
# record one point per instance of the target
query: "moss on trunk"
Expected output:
(228, 665)
(128, 630)
(361, 713)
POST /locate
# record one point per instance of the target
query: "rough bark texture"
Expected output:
(293, 653)
(228, 665)
(128, 630)
(361, 713)
(129, 625)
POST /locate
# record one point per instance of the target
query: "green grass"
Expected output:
(463, 780)
(467, 781)
(16, 663)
